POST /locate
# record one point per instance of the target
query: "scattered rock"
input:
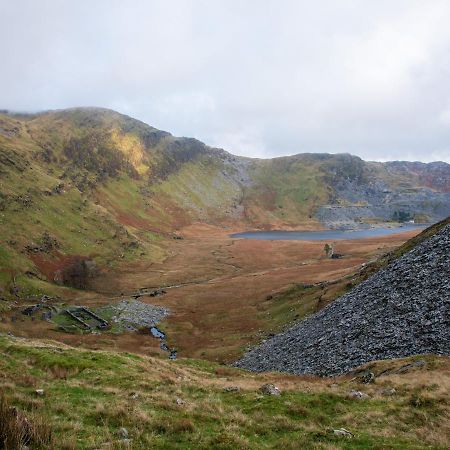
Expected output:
(179, 401)
(232, 389)
(39, 392)
(139, 313)
(157, 293)
(25, 200)
(134, 395)
(388, 392)
(47, 243)
(414, 365)
(358, 395)
(58, 189)
(343, 432)
(269, 389)
(367, 378)
(404, 369)
(123, 433)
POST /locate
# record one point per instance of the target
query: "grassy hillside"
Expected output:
(285, 190)
(89, 192)
(46, 220)
(89, 396)
(86, 188)
(98, 186)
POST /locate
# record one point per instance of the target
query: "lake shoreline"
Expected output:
(365, 233)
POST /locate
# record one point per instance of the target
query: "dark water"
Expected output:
(325, 235)
(157, 333)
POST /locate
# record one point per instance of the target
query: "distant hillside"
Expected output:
(401, 310)
(85, 188)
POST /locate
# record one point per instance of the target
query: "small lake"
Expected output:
(325, 235)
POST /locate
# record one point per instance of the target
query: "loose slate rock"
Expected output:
(402, 310)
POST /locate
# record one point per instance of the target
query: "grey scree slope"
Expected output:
(402, 310)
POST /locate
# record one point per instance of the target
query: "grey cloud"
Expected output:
(257, 78)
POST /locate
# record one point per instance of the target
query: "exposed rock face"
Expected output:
(402, 310)
(374, 192)
(378, 202)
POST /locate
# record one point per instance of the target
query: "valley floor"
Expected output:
(223, 293)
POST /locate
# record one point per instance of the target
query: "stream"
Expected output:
(157, 333)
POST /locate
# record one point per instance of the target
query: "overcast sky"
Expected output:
(256, 77)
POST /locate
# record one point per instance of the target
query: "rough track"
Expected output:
(402, 310)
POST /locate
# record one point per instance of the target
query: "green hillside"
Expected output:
(83, 189)
(78, 399)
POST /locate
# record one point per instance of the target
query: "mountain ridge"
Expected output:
(105, 187)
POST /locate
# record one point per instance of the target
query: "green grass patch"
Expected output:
(89, 396)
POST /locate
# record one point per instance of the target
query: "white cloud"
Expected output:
(257, 78)
(444, 117)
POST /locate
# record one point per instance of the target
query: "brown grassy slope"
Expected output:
(102, 185)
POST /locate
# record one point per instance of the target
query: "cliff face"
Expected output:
(402, 310)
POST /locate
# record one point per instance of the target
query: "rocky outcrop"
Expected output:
(376, 201)
(402, 310)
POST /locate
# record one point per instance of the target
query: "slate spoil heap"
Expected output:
(402, 310)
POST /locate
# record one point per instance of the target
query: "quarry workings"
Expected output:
(402, 310)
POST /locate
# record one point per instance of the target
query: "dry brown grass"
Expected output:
(119, 413)
(62, 373)
(17, 430)
(216, 320)
(28, 380)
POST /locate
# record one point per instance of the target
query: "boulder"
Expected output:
(269, 389)
(358, 395)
